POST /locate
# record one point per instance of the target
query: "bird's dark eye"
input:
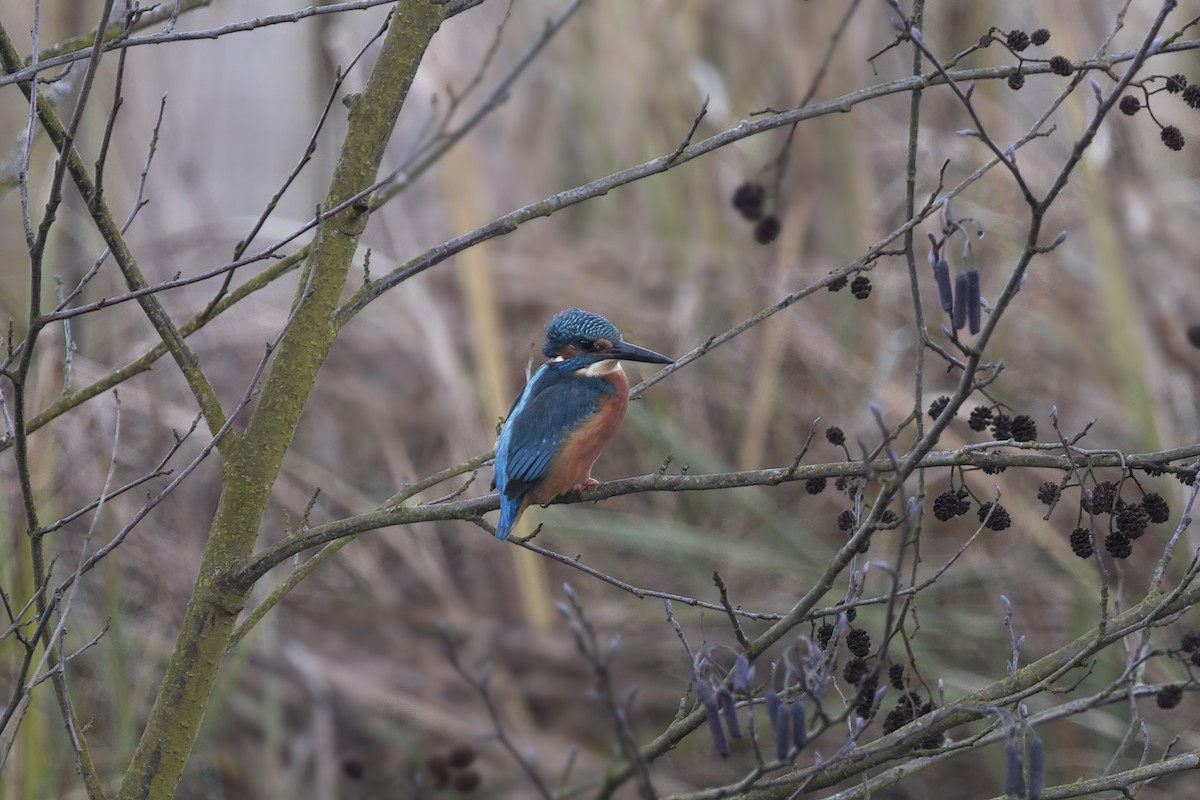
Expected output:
(587, 345)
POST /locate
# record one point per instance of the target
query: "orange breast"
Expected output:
(572, 466)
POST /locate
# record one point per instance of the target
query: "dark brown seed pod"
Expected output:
(1061, 65)
(1169, 696)
(981, 417)
(1017, 40)
(1130, 105)
(1081, 543)
(824, 634)
(1156, 507)
(766, 230)
(462, 755)
(858, 642)
(1172, 137)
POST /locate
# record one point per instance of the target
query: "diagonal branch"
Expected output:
(547, 206)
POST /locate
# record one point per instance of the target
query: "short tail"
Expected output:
(510, 512)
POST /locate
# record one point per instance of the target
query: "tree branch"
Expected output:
(474, 509)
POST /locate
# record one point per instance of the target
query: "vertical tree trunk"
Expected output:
(252, 461)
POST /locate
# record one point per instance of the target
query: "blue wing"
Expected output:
(552, 405)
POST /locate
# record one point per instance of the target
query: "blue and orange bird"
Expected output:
(567, 414)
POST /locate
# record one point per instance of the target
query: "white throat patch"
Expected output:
(601, 368)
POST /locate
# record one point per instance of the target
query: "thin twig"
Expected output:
(480, 686)
(169, 37)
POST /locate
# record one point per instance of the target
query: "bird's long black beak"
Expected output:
(631, 352)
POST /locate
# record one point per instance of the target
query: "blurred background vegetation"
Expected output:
(344, 691)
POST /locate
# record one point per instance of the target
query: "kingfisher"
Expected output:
(566, 415)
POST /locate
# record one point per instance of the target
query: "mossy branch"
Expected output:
(250, 472)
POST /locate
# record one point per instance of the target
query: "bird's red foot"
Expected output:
(589, 483)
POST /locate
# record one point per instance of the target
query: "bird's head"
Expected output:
(578, 335)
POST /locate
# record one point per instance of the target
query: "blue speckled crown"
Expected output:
(571, 325)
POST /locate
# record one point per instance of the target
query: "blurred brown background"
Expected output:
(348, 671)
